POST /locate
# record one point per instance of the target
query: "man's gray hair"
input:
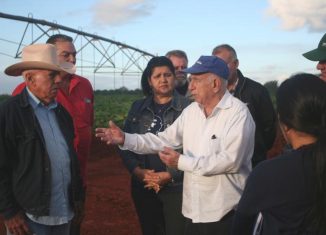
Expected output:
(177, 53)
(227, 47)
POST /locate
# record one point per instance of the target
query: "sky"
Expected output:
(268, 35)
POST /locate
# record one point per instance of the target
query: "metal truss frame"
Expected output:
(105, 50)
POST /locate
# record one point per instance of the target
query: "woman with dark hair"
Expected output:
(156, 189)
(290, 191)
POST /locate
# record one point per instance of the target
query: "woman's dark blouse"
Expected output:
(146, 116)
(282, 190)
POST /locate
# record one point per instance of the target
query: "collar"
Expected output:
(241, 82)
(35, 102)
(175, 104)
(74, 81)
(234, 87)
(224, 103)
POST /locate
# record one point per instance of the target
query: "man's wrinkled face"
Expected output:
(66, 52)
(200, 87)
(179, 63)
(44, 84)
(230, 61)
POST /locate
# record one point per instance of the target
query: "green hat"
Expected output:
(318, 54)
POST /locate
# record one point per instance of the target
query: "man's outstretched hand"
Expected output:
(170, 157)
(111, 135)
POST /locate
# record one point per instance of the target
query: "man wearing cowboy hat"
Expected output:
(40, 185)
(319, 54)
(76, 96)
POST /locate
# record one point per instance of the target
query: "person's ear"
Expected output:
(150, 82)
(236, 62)
(28, 76)
(216, 85)
(285, 131)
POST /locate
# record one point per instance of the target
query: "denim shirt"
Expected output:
(139, 119)
(56, 146)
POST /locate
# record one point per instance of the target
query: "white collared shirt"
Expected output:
(216, 157)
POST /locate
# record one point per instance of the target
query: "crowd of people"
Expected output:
(195, 146)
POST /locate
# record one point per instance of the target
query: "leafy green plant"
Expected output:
(272, 86)
(4, 97)
(113, 106)
(109, 105)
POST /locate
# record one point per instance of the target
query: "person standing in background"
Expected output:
(180, 62)
(76, 95)
(257, 99)
(319, 54)
(155, 188)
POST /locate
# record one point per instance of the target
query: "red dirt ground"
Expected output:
(109, 207)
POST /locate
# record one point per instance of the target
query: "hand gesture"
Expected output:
(111, 135)
(140, 173)
(169, 157)
(156, 180)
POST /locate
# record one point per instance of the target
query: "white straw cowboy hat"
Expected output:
(40, 56)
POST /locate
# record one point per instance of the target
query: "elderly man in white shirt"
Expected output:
(216, 133)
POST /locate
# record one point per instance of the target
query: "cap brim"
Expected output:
(18, 68)
(196, 69)
(315, 55)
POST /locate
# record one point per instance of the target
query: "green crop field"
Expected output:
(3, 97)
(113, 105)
(110, 105)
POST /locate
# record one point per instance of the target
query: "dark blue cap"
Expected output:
(209, 64)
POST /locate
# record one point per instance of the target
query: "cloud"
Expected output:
(118, 12)
(296, 14)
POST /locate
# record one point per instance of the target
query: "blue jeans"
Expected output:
(41, 229)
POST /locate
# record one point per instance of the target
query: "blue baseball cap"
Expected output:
(209, 64)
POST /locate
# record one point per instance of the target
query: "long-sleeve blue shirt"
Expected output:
(57, 149)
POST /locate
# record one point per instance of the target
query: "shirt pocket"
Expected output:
(27, 144)
(214, 146)
(25, 137)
